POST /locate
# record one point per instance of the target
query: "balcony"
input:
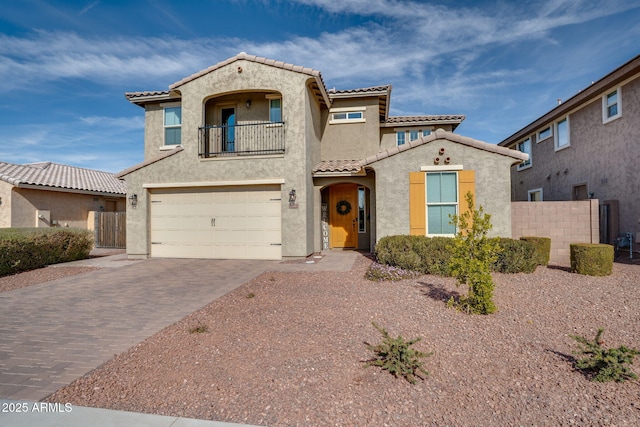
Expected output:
(242, 139)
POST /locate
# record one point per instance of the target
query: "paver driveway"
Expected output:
(55, 332)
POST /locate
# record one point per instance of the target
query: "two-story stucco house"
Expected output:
(587, 148)
(254, 158)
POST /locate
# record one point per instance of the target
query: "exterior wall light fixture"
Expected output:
(133, 200)
(292, 196)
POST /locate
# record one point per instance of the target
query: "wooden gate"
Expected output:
(111, 230)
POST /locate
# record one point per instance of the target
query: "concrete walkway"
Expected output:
(55, 332)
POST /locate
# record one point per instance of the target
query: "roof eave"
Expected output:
(614, 78)
(140, 101)
(19, 184)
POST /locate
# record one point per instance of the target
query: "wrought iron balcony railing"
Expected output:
(247, 138)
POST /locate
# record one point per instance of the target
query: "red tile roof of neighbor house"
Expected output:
(54, 176)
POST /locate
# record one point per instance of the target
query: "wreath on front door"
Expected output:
(343, 207)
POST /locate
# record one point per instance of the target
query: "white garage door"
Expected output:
(222, 222)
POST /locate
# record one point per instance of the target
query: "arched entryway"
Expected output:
(347, 215)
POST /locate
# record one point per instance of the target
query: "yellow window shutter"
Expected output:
(466, 183)
(417, 204)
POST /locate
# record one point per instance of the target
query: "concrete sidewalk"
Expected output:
(78, 416)
(55, 332)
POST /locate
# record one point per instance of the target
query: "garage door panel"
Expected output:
(182, 251)
(247, 223)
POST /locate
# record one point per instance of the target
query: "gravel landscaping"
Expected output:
(289, 349)
(40, 275)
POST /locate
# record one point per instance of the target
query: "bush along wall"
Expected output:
(592, 259)
(416, 253)
(542, 246)
(28, 249)
(515, 256)
(430, 255)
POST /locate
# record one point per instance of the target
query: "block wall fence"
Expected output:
(564, 222)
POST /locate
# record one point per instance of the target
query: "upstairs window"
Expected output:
(525, 147)
(611, 106)
(275, 110)
(413, 135)
(544, 134)
(561, 137)
(400, 138)
(347, 115)
(172, 125)
(426, 132)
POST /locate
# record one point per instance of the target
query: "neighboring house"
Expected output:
(53, 195)
(587, 147)
(255, 158)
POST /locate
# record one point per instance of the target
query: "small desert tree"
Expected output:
(472, 254)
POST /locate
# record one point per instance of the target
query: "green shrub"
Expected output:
(28, 249)
(515, 256)
(592, 259)
(472, 255)
(417, 253)
(542, 247)
(434, 254)
(396, 356)
(604, 364)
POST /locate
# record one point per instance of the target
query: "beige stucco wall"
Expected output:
(5, 204)
(605, 157)
(492, 175)
(298, 108)
(67, 209)
(352, 141)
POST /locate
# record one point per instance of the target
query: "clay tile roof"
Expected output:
(338, 166)
(53, 175)
(458, 118)
(253, 58)
(139, 98)
(364, 90)
(453, 137)
(145, 94)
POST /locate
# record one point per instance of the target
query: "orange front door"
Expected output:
(343, 216)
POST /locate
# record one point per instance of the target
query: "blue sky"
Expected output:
(65, 64)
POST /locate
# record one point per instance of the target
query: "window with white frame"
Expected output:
(442, 202)
(561, 134)
(401, 138)
(525, 147)
(535, 195)
(172, 125)
(362, 211)
(347, 115)
(426, 132)
(611, 105)
(413, 135)
(545, 133)
(275, 110)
